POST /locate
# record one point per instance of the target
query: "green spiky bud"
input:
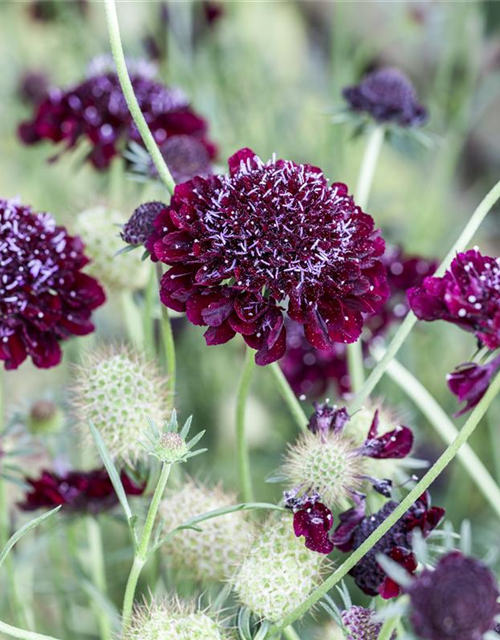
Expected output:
(172, 620)
(119, 391)
(327, 463)
(279, 573)
(213, 553)
(99, 228)
(44, 418)
(170, 445)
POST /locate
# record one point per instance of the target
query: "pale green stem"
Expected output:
(141, 554)
(401, 509)
(409, 322)
(128, 92)
(242, 455)
(446, 429)
(289, 397)
(98, 569)
(167, 341)
(133, 320)
(290, 633)
(362, 195)
(148, 320)
(14, 632)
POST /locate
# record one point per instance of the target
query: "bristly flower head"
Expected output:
(170, 445)
(456, 601)
(470, 381)
(212, 554)
(140, 225)
(174, 620)
(96, 111)
(118, 270)
(468, 295)
(360, 624)
(78, 492)
(279, 572)
(118, 391)
(44, 296)
(387, 96)
(356, 526)
(266, 233)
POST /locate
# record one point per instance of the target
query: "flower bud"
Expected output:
(45, 417)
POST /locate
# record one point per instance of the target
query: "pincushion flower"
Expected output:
(361, 624)
(44, 296)
(95, 110)
(356, 526)
(458, 600)
(387, 95)
(76, 491)
(242, 244)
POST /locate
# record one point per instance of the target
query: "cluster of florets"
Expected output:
(140, 225)
(95, 110)
(387, 96)
(241, 244)
(82, 492)
(361, 624)
(44, 296)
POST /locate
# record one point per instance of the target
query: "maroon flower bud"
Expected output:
(140, 224)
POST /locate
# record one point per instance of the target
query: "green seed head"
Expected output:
(99, 230)
(171, 448)
(117, 390)
(279, 572)
(214, 553)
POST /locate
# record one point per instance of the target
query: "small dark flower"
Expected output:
(312, 519)
(76, 491)
(470, 381)
(388, 96)
(327, 419)
(44, 296)
(96, 110)
(468, 295)
(140, 224)
(355, 527)
(186, 157)
(360, 623)
(33, 87)
(241, 244)
(456, 601)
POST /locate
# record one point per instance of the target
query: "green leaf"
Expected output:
(23, 531)
(194, 441)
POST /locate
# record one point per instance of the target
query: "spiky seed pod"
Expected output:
(172, 620)
(214, 553)
(278, 573)
(118, 391)
(99, 230)
(327, 463)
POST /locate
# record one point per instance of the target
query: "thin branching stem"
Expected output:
(242, 455)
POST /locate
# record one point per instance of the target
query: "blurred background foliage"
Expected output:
(269, 75)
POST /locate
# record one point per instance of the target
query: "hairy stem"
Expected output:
(128, 92)
(409, 322)
(401, 509)
(289, 396)
(98, 571)
(167, 337)
(242, 455)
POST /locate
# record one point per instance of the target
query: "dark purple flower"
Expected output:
(388, 96)
(467, 295)
(96, 110)
(360, 623)
(313, 520)
(186, 157)
(355, 527)
(240, 244)
(470, 381)
(456, 601)
(33, 87)
(327, 419)
(76, 491)
(44, 296)
(140, 224)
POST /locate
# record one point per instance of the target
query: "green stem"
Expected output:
(401, 509)
(98, 570)
(409, 322)
(289, 397)
(242, 455)
(388, 628)
(128, 92)
(133, 320)
(447, 430)
(15, 632)
(291, 634)
(141, 554)
(167, 340)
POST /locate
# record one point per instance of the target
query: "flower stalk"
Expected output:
(98, 571)
(242, 455)
(298, 414)
(167, 337)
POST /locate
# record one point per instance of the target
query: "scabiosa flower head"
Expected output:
(278, 573)
(360, 624)
(387, 96)
(96, 111)
(458, 600)
(468, 295)
(44, 296)
(213, 554)
(44, 417)
(98, 228)
(241, 244)
(76, 491)
(118, 391)
(174, 620)
(470, 381)
(139, 226)
(355, 527)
